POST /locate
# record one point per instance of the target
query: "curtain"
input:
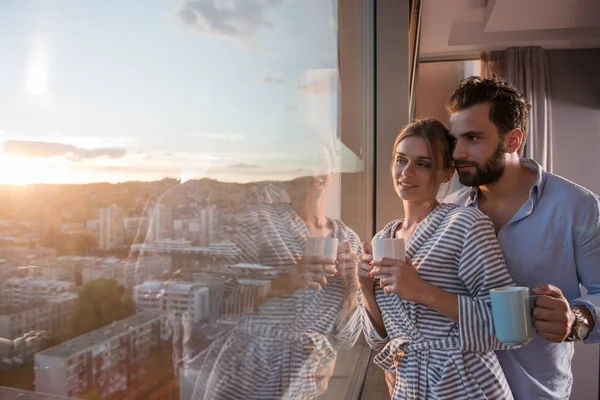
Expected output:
(526, 68)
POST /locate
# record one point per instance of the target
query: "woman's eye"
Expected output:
(424, 165)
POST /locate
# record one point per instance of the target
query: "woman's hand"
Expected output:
(365, 279)
(313, 271)
(401, 278)
(346, 262)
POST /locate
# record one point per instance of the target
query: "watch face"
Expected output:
(582, 331)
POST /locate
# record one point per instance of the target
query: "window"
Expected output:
(145, 141)
(436, 81)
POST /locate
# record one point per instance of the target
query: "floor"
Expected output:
(356, 377)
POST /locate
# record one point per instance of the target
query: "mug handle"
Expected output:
(532, 299)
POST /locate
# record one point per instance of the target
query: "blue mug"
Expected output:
(511, 309)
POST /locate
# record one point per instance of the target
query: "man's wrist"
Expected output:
(583, 324)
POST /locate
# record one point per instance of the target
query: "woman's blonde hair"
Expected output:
(439, 141)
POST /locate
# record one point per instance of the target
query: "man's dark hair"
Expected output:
(509, 109)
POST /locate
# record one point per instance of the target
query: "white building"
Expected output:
(171, 245)
(160, 223)
(22, 291)
(112, 232)
(109, 358)
(173, 298)
(207, 226)
(52, 315)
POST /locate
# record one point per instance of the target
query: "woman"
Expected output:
(286, 349)
(429, 315)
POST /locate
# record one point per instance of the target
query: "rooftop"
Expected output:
(170, 286)
(7, 393)
(99, 336)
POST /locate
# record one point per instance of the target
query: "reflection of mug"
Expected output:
(511, 309)
(321, 246)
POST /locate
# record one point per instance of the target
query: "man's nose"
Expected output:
(460, 152)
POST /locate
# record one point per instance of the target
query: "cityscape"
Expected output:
(95, 277)
(126, 156)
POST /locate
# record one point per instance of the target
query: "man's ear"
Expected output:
(513, 140)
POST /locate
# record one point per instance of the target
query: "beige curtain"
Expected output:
(527, 69)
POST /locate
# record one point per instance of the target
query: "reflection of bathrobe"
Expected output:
(276, 352)
(435, 358)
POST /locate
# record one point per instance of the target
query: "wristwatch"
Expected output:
(581, 327)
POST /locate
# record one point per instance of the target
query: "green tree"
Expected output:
(100, 303)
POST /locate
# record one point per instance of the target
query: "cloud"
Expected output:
(244, 166)
(237, 20)
(40, 149)
(291, 108)
(237, 137)
(272, 77)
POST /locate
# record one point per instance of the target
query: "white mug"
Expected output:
(388, 248)
(321, 246)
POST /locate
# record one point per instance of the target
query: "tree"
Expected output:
(100, 303)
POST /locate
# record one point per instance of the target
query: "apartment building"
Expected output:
(108, 359)
(52, 316)
(128, 273)
(175, 297)
(111, 228)
(22, 291)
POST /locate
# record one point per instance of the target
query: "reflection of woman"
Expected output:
(429, 315)
(287, 348)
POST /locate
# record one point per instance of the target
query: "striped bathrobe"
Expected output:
(279, 350)
(433, 357)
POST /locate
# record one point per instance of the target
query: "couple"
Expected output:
(429, 315)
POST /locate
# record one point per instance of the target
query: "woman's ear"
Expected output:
(448, 174)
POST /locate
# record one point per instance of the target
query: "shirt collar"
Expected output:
(536, 190)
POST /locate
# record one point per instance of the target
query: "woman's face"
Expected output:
(318, 180)
(412, 170)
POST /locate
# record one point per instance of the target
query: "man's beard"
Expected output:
(491, 171)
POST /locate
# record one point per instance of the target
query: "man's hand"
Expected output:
(554, 318)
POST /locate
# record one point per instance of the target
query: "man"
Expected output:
(548, 228)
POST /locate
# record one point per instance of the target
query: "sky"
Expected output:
(118, 90)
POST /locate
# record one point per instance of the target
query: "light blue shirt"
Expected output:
(554, 238)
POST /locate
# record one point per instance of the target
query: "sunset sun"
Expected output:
(19, 170)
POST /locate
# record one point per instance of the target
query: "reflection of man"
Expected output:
(548, 227)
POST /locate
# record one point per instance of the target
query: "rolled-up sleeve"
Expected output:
(482, 267)
(587, 259)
